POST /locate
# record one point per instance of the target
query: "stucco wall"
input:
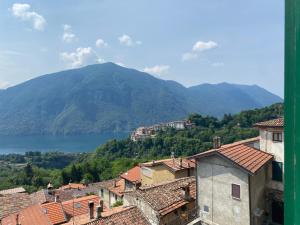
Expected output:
(267, 144)
(214, 179)
(159, 174)
(258, 194)
(148, 212)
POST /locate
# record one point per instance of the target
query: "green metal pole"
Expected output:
(292, 113)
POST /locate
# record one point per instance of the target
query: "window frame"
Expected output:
(239, 191)
(277, 136)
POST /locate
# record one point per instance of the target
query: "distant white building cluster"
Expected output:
(142, 133)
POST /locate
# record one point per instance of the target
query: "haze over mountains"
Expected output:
(108, 97)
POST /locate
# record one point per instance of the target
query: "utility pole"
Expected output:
(292, 113)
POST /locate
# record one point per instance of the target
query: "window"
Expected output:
(147, 172)
(277, 136)
(236, 191)
(206, 208)
(277, 172)
(102, 193)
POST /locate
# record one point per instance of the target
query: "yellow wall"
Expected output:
(161, 173)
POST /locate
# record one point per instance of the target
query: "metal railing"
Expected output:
(185, 217)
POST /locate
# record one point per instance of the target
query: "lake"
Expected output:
(78, 143)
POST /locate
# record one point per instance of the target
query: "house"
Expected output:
(73, 186)
(132, 178)
(231, 184)
(272, 141)
(166, 170)
(111, 191)
(168, 203)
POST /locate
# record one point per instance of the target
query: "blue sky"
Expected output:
(192, 42)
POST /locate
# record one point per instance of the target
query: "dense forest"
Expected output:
(34, 170)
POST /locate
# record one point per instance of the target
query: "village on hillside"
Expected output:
(234, 184)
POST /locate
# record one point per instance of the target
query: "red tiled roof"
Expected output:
(79, 206)
(10, 204)
(32, 215)
(117, 186)
(244, 156)
(173, 164)
(133, 175)
(166, 197)
(130, 216)
(55, 212)
(279, 122)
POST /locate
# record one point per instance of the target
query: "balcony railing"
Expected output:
(185, 218)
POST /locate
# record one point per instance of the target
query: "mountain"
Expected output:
(108, 97)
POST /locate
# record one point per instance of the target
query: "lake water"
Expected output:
(79, 143)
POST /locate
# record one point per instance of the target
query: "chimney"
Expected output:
(91, 209)
(216, 142)
(56, 198)
(186, 193)
(99, 210)
(115, 183)
(180, 162)
(18, 220)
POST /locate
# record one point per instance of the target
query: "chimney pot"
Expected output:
(216, 142)
(180, 162)
(99, 209)
(91, 209)
(186, 193)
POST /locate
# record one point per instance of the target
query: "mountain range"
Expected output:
(108, 97)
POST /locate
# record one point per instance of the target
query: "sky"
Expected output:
(191, 42)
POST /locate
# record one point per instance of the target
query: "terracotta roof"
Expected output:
(55, 212)
(32, 215)
(10, 204)
(166, 197)
(130, 216)
(174, 164)
(279, 122)
(117, 186)
(242, 155)
(73, 186)
(79, 206)
(12, 191)
(133, 175)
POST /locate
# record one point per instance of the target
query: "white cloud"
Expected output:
(100, 43)
(158, 69)
(68, 35)
(79, 57)
(128, 41)
(199, 46)
(23, 12)
(202, 46)
(4, 84)
(189, 56)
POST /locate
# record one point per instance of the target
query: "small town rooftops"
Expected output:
(279, 122)
(117, 186)
(73, 186)
(79, 206)
(133, 175)
(129, 216)
(241, 154)
(32, 215)
(175, 164)
(12, 191)
(55, 212)
(166, 197)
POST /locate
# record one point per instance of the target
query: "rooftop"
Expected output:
(12, 191)
(13, 203)
(166, 197)
(117, 186)
(241, 154)
(133, 175)
(279, 122)
(32, 215)
(79, 206)
(175, 164)
(73, 186)
(55, 212)
(128, 216)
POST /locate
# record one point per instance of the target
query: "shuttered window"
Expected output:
(277, 136)
(236, 191)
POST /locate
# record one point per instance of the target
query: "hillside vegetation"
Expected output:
(35, 170)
